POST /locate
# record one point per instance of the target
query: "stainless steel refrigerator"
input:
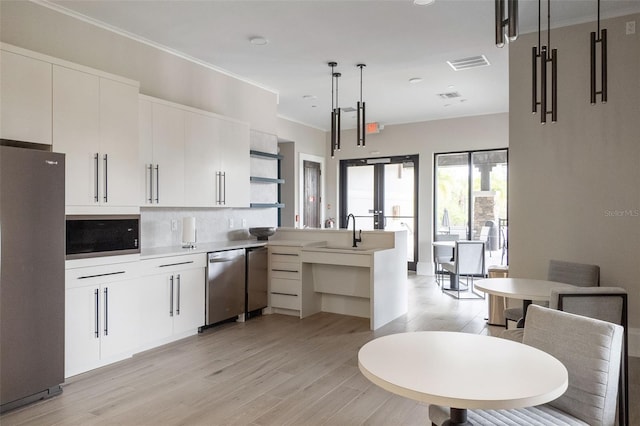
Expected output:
(32, 289)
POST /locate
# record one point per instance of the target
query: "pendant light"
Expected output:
(542, 53)
(335, 111)
(361, 124)
(600, 37)
(511, 22)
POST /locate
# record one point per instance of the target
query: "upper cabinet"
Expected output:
(192, 158)
(25, 103)
(95, 123)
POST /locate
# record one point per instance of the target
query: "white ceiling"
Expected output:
(396, 39)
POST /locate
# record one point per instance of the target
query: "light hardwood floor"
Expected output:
(271, 370)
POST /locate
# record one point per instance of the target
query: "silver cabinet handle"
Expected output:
(150, 183)
(106, 179)
(97, 188)
(97, 298)
(218, 188)
(171, 297)
(157, 183)
(178, 294)
(224, 188)
(106, 311)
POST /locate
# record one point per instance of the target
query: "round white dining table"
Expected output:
(525, 289)
(463, 371)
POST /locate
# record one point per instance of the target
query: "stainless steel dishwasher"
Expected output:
(256, 281)
(225, 292)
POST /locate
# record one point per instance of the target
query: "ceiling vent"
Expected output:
(348, 109)
(449, 95)
(468, 63)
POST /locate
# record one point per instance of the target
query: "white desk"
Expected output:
(463, 371)
(524, 289)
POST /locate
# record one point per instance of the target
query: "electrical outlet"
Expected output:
(631, 27)
(230, 223)
(244, 223)
(174, 224)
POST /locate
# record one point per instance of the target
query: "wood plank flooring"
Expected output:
(271, 370)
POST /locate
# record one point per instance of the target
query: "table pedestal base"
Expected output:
(458, 417)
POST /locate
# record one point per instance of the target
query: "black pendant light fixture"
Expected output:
(511, 22)
(335, 110)
(546, 57)
(362, 123)
(600, 37)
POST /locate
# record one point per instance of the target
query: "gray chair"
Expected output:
(580, 274)
(442, 254)
(593, 372)
(606, 304)
(469, 263)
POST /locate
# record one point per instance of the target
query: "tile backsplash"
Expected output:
(212, 224)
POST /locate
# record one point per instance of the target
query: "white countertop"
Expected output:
(296, 243)
(151, 253)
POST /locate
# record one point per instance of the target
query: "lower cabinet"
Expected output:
(285, 285)
(101, 316)
(173, 298)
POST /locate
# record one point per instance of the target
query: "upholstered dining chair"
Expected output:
(593, 371)
(606, 304)
(442, 254)
(469, 263)
(579, 274)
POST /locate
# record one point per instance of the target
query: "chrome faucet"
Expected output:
(355, 240)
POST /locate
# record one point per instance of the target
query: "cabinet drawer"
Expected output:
(92, 275)
(285, 301)
(285, 271)
(290, 287)
(174, 263)
(284, 257)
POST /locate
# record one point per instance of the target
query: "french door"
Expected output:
(382, 193)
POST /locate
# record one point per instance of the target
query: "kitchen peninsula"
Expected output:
(313, 270)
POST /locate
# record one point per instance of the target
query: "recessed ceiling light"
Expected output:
(415, 80)
(258, 41)
(423, 2)
(309, 97)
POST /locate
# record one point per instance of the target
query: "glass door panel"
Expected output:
(360, 193)
(399, 201)
(489, 198)
(452, 195)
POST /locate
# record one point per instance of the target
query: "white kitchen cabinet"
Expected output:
(25, 103)
(95, 125)
(202, 159)
(285, 280)
(173, 291)
(162, 153)
(101, 316)
(192, 158)
(234, 165)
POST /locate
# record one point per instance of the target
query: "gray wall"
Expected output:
(574, 185)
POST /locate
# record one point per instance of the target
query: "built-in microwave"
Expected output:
(93, 236)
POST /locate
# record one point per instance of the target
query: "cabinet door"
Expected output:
(76, 132)
(168, 154)
(234, 143)
(155, 309)
(120, 318)
(119, 143)
(189, 300)
(25, 104)
(82, 329)
(202, 159)
(145, 152)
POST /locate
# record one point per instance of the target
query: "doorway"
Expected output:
(312, 194)
(382, 193)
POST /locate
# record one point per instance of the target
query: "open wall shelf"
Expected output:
(261, 154)
(258, 179)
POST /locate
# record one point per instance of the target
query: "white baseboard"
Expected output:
(634, 342)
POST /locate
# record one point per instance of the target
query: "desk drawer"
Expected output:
(285, 301)
(285, 270)
(285, 257)
(290, 287)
